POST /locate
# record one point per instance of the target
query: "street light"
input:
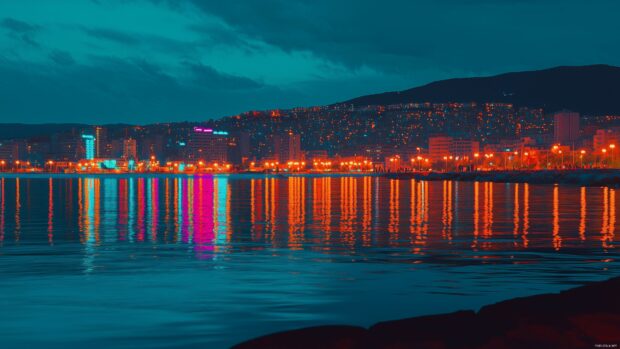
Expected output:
(612, 147)
(516, 154)
(581, 154)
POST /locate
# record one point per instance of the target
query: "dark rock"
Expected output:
(327, 337)
(577, 318)
(425, 331)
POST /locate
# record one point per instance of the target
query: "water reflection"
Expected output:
(557, 240)
(609, 218)
(526, 213)
(215, 214)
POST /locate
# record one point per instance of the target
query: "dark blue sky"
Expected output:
(141, 61)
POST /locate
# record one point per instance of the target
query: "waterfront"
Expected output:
(181, 261)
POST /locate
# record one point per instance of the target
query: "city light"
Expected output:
(237, 147)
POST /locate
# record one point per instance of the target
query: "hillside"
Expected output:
(593, 89)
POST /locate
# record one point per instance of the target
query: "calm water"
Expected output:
(209, 261)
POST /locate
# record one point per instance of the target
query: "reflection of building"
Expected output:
(287, 147)
(89, 146)
(208, 145)
(565, 127)
(130, 151)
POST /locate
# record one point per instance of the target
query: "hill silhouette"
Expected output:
(593, 89)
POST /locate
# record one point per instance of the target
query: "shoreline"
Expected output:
(581, 177)
(582, 317)
(182, 175)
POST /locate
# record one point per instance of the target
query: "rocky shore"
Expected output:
(582, 317)
(587, 177)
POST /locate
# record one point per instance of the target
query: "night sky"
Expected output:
(153, 61)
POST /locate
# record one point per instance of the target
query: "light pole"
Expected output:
(516, 154)
(611, 148)
(582, 153)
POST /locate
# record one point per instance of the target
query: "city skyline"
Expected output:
(456, 137)
(196, 60)
(260, 174)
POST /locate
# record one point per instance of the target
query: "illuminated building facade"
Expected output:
(130, 151)
(208, 145)
(287, 147)
(603, 138)
(89, 147)
(101, 144)
(439, 146)
(464, 147)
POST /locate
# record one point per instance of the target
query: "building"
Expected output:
(439, 146)
(464, 147)
(565, 127)
(89, 147)
(13, 150)
(150, 146)
(130, 149)
(312, 155)
(287, 147)
(66, 146)
(603, 138)
(239, 148)
(101, 142)
(208, 145)
(243, 142)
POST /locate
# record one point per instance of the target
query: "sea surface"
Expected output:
(209, 261)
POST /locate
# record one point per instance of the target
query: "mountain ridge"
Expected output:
(589, 89)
